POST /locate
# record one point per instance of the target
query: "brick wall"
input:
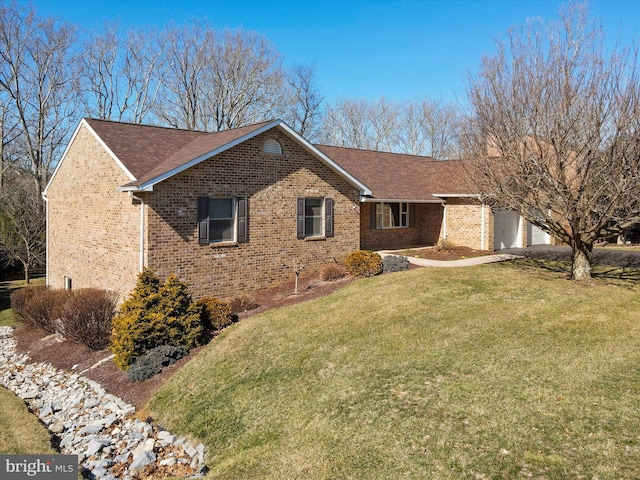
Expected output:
(424, 230)
(93, 230)
(464, 223)
(272, 184)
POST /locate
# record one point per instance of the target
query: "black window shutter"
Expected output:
(372, 215)
(243, 217)
(300, 218)
(328, 217)
(203, 220)
(412, 215)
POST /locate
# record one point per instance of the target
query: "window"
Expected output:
(390, 215)
(272, 147)
(315, 217)
(222, 220)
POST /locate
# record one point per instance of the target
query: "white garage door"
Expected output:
(505, 229)
(535, 236)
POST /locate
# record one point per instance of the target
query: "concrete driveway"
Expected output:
(601, 256)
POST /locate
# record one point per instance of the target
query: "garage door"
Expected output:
(535, 236)
(505, 229)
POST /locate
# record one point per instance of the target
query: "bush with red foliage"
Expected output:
(19, 299)
(44, 308)
(86, 317)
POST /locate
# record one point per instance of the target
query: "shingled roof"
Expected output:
(150, 154)
(394, 176)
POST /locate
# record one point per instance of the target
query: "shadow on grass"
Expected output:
(630, 274)
(9, 284)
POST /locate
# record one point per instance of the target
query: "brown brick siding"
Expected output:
(424, 229)
(463, 226)
(272, 184)
(93, 230)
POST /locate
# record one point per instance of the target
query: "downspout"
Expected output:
(482, 228)
(141, 229)
(444, 221)
(46, 245)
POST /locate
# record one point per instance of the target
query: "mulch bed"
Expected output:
(68, 355)
(455, 253)
(76, 357)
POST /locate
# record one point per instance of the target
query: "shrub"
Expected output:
(86, 317)
(155, 315)
(445, 245)
(152, 362)
(44, 309)
(395, 263)
(363, 263)
(20, 298)
(242, 304)
(216, 314)
(332, 271)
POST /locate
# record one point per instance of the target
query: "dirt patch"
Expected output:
(434, 253)
(67, 355)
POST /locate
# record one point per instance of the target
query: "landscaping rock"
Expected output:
(97, 426)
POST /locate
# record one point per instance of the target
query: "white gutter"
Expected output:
(141, 229)
(46, 261)
(395, 200)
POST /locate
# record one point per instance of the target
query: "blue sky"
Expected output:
(361, 48)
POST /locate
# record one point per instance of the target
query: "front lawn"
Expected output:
(6, 287)
(480, 372)
(20, 431)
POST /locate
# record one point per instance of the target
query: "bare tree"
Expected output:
(219, 80)
(22, 234)
(554, 132)
(186, 50)
(345, 124)
(247, 80)
(122, 77)
(426, 127)
(39, 80)
(303, 113)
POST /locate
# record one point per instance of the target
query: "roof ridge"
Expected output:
(146, 125)
(118, 122)
(425, 157)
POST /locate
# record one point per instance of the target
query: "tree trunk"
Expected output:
(581, 262)
(27, 279)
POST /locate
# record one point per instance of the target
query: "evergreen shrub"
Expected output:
(152, 362)
(216, 314)
(363, 263)
(395, 263)
(154, 315)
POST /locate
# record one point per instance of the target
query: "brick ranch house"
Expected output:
(235, 211)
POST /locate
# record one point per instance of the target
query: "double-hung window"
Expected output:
(222, 220)
(390, 215)
(314, 217)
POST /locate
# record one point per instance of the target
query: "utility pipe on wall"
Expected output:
(444, 221)
(482, 227)
(141, 229)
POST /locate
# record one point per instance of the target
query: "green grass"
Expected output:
(6, 287)
(496, 371)
(20, 431)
